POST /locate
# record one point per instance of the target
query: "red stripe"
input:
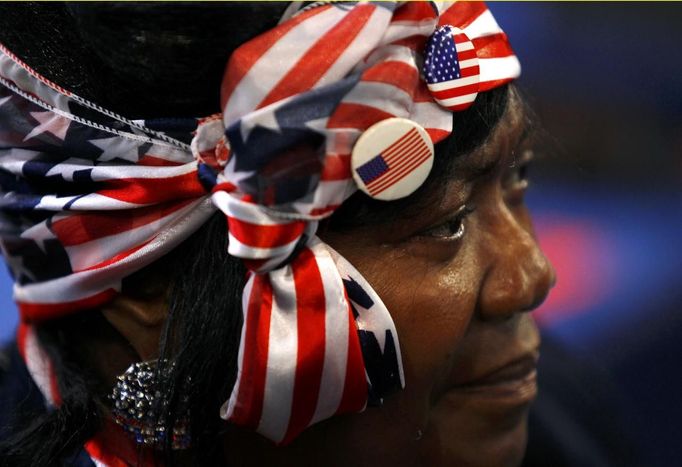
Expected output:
(336, 167)
(154, 190)
(488, 85)
(460, 107)
(265, 236)
(249, 406)
(437, 134)
(356, 116)
(115, 259)
(398, 74)
(224, 186)
(22, 331)
(81, 228)
(469, 71)
(153, 161)
(422, 93)
(354, 395)
(466, 55)
(320, 56)
(462, 14)
(493, 46)
(54, 385)
(248, 54)
(399, 175)
(416, 42)
(37, 312)
(455, 92)
(311, 311)
(397, 169)
(413, 11)
(395, 178)
(396, 152)
(113, 447)
(405, 152)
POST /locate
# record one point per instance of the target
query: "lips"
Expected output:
(513, 382)
(516, 370)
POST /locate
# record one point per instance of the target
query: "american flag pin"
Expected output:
(392, 158)
(451, 68)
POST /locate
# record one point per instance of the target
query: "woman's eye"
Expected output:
(515, 183)
(518, 176)
(452, 229)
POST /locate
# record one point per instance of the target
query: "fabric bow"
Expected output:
(97, 196)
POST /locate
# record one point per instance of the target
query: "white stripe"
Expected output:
(228, 407)
(402, 29)
(454, 83)
(431, 115)
(464, 46)
(282, 352)
(393, 53)
(458, 100)
(336, 335)
(244, 211)
(38, 365)
(242, 250)
(499, 68)
(468, 63)
(28, 83)
(119, 172)
(170, 153)
(89, 254)
(81, 285)
(276, 63)
(89, 202)
(484, 25)
(382, 96)
(328, 193)
(364, 42)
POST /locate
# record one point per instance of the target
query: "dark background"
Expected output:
(606, 194)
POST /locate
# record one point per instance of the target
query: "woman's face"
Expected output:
(459, 280)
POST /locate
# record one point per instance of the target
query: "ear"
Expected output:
(139, 320)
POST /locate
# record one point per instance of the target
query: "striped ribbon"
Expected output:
(100, 197)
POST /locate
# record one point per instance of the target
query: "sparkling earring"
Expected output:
(140, 408)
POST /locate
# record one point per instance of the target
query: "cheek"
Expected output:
(431, 305)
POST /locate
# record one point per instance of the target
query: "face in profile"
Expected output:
(460, 276)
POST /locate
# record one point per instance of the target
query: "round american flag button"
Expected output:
(392, 158)
(451, 68)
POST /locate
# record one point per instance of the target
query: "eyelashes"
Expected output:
(452, 229)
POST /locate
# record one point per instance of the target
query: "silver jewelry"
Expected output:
(140, 408)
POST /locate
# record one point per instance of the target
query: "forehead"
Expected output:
(510, 133)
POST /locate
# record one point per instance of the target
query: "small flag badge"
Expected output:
(392, 158)
(451, 68)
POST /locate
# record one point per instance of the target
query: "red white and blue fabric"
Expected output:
(87, 197)
(451, 68)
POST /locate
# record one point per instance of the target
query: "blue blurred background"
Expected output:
(606, 82)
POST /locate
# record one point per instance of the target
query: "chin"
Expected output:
(471, 439)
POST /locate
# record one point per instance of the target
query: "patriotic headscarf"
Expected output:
(87, 197)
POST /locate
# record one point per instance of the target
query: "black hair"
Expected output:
(205, 283)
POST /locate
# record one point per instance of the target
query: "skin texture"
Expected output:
(460, 307)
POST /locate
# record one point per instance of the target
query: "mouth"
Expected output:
(514, 382)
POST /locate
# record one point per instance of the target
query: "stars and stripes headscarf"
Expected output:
(87, 197)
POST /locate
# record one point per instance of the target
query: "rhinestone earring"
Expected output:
(140, 408)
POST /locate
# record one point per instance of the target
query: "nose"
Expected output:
(519, 276)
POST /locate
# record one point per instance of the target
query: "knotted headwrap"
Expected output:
(89, 197)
